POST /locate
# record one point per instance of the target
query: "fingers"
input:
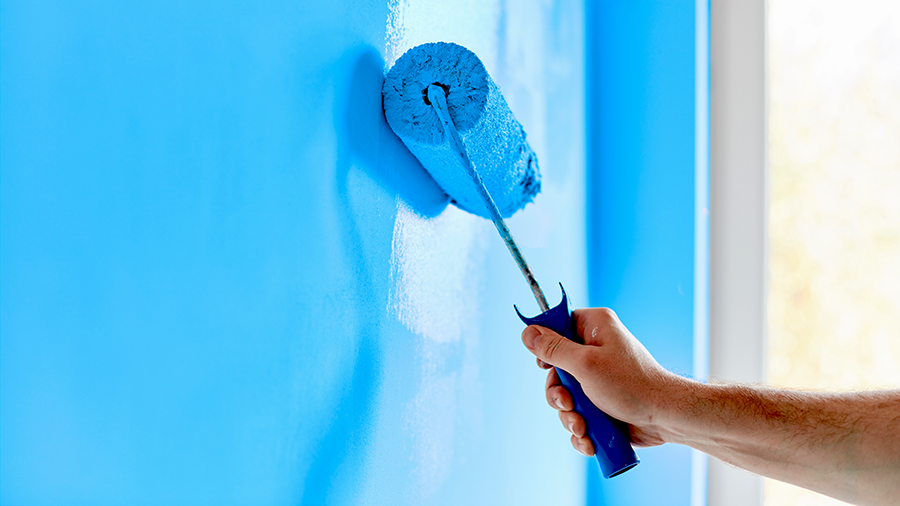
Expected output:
(557, 395)
(551, 348)
(559, 398)
(573, 423)
(583, 445)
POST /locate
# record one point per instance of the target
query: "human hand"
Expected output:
(616, 372)
(844, 445)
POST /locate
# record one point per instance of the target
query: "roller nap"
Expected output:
(494, 139)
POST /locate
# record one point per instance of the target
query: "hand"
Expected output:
(845, 445)
(616, 372)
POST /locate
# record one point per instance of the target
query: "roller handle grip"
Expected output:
(610, 436)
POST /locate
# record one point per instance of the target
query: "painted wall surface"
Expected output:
(648, 76)
(223, 280)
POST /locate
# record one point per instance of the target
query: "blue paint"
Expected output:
(643, 165)
(202, 208)
(495, 141)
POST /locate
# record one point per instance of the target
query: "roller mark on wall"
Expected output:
(434, 265)
(432, 271)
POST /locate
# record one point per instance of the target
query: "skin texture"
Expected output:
(845, 445)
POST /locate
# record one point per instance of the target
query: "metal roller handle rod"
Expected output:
(438, 98)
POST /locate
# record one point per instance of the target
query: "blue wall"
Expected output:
(647, 100)
(223, 280)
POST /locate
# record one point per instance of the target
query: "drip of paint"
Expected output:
(494, 139)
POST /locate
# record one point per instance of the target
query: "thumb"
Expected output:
(551, 347)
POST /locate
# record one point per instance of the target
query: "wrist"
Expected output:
(680, 409)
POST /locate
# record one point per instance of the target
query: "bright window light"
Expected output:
(834, 215)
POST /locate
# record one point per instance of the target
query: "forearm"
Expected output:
(843, 445)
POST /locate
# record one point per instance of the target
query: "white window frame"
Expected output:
(738, 216)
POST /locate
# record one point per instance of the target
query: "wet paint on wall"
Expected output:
(225, 280)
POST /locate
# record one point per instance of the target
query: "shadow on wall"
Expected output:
(371, 140)
(365, 143)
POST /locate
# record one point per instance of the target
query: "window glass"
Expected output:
(834, 215)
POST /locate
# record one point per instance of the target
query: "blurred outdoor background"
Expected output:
(834, 203)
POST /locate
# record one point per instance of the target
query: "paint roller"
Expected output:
(441, 102)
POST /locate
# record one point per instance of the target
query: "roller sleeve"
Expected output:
(494, 139)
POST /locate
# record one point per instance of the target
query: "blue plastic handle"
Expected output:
(610, 436)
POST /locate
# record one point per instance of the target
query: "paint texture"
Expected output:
(225, 280)
(494, 139)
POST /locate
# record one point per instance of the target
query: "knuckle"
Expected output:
(550, 348)
(576, 443)
(588, 446)
(553, 396)
(569, 420)
(566, 399)
(553, 393)
(607, 314)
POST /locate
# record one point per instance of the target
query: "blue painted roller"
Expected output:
(440, 100)
(495, 140)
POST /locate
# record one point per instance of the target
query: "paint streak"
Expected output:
(432, 269)
(434, 264)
